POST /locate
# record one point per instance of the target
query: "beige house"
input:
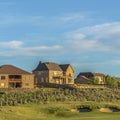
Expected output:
(88, 77)
(53, 73)
(13, 77)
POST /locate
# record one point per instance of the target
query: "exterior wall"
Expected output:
(55, 77)
(4, 83)
(69, 76)
(28, 81)
(101, 79)
(41, 77)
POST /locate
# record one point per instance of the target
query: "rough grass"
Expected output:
(55, 111)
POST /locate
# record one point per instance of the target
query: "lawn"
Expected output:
(52, 111)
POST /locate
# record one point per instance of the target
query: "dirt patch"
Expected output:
(109, 110)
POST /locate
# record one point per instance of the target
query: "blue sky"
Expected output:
(84, 33)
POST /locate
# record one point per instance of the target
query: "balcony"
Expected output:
(15, 80)
(58, 76)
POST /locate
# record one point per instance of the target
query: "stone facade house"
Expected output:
(14, 77)
(53, 73)
(88, 78)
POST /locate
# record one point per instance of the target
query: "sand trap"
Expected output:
(84, 110)
(109, 110)
(81, 110)
(74, 110)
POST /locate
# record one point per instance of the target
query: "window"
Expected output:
(39, 73)
(42, 79)
(46, 79)
(55, 73)
(69, 78)
(2, 84)
(26, 84)
(2, 77)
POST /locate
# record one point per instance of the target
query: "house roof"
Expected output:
(90, 74)
(99, 74)
(10, 69)
(41, 66)
(83, 80)
(53, 66)
(47, 66)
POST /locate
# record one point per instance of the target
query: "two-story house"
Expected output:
(49, 72)
(14, 77)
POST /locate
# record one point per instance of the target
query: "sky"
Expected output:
(83, 33)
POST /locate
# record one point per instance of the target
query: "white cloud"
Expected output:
(15, 48)
(103, 37)
(68, 19)
(11, 44)
(73, 17)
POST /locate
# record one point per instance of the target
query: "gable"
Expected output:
(70, 69)
(10, 69)
(66, 67)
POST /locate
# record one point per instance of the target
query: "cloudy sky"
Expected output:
(84, 33)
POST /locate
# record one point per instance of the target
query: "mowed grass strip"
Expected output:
(52, 111)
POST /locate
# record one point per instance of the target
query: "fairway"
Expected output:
(59, 111)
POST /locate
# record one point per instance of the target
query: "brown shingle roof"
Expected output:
(47, 66)
(10, 69)
(90, 74)
(83, 80)
(53, 66)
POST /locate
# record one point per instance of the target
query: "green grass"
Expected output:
(52, 111)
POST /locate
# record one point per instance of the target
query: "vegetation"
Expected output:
(55, 112)
(110, 81)
(57, 104)
(43, 95)
(96, 81)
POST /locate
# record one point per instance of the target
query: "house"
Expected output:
(14, 77)
(53, 73)
(117, 79)
(88, 78)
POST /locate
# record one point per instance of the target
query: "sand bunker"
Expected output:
(81, 110)
(109, 110)
(74, 110)
(84, 110)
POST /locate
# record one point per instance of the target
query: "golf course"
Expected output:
(53, 111)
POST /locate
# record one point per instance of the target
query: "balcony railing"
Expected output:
(15, 80)
(58, 77)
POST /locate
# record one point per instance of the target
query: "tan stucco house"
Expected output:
(14, 77)
(88, 77)
(49, 72)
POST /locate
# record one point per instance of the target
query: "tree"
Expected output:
(111, 81)
(95, 81)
